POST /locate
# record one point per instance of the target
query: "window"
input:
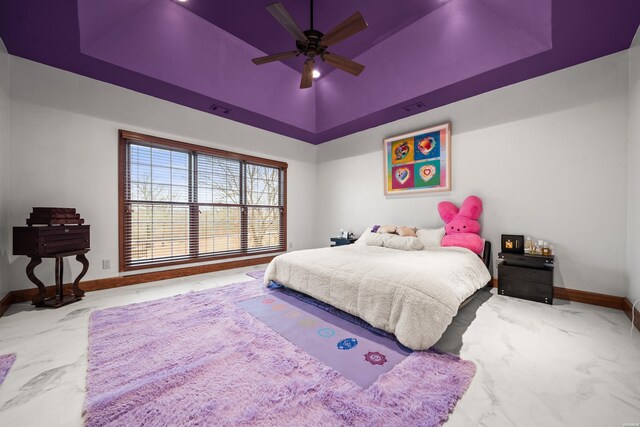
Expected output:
(184, 203)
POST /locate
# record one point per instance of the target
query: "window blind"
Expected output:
(185, 203)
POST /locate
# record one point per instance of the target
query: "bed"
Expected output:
(411, 294)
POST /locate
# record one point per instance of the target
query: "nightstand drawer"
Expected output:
(541, 276)
(526, 290)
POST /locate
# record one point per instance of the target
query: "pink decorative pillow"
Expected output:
(406, 231)
(387, 229)
(462, 227)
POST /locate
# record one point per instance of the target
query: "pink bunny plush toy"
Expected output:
(462, 227)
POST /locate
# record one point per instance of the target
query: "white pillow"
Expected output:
(362, 240)
(375, 239)
(404, 243)
(430, 238)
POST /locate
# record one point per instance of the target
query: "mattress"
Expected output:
(412, 294)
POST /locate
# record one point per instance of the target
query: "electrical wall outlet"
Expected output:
(106, 264)
(290, 245)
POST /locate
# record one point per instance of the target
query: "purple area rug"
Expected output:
(6, 362)
(357, 353)
(200, 359)
(257, 274)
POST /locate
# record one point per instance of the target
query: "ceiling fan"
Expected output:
(312, 43)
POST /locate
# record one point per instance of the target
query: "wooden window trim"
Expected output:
(124, 136)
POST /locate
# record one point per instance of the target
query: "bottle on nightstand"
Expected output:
(528, 246)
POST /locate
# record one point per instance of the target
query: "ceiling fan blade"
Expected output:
(350, 26)
(282, 16)
(307, 74)
(276, 57)
(345, 64)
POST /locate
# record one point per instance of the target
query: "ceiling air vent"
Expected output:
(219, 109)
(412, 108)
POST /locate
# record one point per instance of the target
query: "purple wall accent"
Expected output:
(464, 38)
(161, 49)
(168, 43)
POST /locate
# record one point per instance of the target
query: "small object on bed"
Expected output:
(406, 231)
(387, 229)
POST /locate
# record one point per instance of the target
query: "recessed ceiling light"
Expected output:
(316, 74)
(182, 1)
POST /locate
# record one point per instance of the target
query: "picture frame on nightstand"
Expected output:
(512, 243)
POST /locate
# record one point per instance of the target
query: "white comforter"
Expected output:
(412, 294)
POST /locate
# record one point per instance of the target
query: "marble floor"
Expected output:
(569, 364)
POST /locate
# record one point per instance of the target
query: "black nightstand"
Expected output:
(528, 277)
(341, 241)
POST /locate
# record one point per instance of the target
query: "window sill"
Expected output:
(200, 260)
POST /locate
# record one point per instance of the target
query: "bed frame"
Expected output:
(486, 258)
(486, 255)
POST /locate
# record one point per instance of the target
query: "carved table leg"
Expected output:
(59, 279)
(37, 300)
(79, 293)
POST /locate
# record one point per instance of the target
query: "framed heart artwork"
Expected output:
(418, 162)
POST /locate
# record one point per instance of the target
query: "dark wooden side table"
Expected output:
(60, 298)
(53, 233)
(341, 241)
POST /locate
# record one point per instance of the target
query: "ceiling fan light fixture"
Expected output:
(313, 43)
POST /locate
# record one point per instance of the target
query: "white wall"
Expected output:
(64, 130)
(5, 243)
(633, 234)
(547, 156)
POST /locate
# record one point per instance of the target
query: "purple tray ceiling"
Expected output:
(259, 29)
(419, 54)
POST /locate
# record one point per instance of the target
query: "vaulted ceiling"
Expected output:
(419, 54)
